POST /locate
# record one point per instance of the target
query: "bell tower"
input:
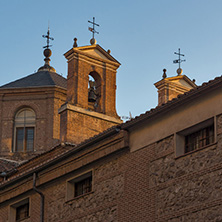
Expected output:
(91, 93)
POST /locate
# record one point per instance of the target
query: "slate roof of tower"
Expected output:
(38, 79)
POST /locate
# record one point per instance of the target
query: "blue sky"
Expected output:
(142, 36)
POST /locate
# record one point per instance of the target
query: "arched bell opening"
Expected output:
(94, 91)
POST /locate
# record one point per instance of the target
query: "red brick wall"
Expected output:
(76, 126)
(77, 86)
(45, 103)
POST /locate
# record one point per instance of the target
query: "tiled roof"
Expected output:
(38, 79)
(7, 165)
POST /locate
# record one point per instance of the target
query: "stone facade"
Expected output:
(189, 187)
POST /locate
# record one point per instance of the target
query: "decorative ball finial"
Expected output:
(164, 73)
(93, 41)
(179, 71)
(75, 43)
(47, 53)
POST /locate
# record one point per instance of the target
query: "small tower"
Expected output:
(91, 93)
(171, 87)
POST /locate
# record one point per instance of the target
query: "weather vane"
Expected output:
(178, 60)
(48, 38)
(92, 29)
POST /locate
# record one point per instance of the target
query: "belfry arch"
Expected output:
(94, 91)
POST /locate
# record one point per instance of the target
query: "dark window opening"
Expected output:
(199, 139)
(24, 139)
(84, 186)
(22, 212)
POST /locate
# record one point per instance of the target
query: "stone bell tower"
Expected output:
(91, 93)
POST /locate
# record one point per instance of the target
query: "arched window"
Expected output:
(24, 130)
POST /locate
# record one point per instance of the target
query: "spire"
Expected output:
(47, 53)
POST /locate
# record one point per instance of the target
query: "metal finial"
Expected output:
(75, 43)
(179, 61)
(48, 38)
(92, 29)
(47, 53)
(164, 73)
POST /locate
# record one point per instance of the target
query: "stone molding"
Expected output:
(89, 113)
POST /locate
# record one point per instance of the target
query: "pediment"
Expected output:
(182, 82)
(97, 51)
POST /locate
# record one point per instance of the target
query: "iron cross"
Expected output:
(178, 60)
(48, 38)
(93, 28)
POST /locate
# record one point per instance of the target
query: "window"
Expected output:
(24, 130)
(195, 137)
(19, 211)
(22, 212)
(79, 186)
(83, 186)
(199, 139)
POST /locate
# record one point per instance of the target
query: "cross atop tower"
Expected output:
(48, 38)
(92, 29)
(179, 60)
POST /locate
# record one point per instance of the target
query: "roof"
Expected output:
(62, 153)
(7, 165)
(38, 79)
(179, 100)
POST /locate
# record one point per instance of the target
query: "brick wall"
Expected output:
(45, 103)
(77, 127)
(77, 84)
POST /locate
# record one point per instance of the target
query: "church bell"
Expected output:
(92, 96)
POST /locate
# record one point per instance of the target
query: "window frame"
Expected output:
(199, 139)
(181, 136)
(15, 206)
(26, 125)
(19, 211)
(72, 182)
